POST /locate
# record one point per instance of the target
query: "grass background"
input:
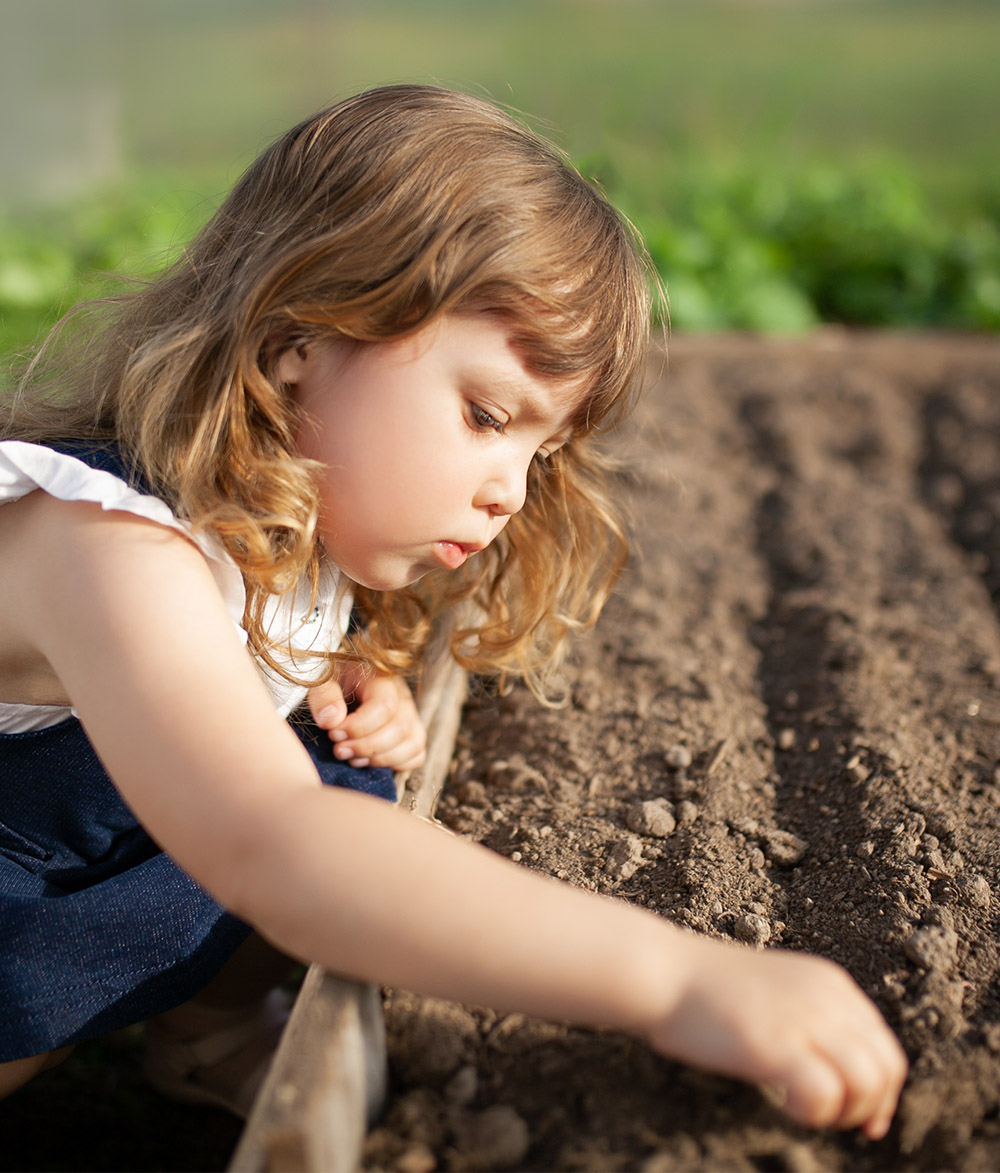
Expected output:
(789, 161)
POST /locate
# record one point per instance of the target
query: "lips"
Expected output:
(453, 554)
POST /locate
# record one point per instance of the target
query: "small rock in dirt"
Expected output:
(655, 817)
(783, 848)
(496, 1138)
(933, 947)
(948, 490)
(894, 988)
(432, 1040)
(753, 929)
(473, 794)
(515, 774)
(683, 1154)
(786, 739)
(686, 813)
(419, 1117)
(798, 1157)
(461, 1089)
(934, 862)
(866, 848)
(678, 757)
(975, 890)
(937, 914)
(415, 1158)
(624, 858)
(991, 1037)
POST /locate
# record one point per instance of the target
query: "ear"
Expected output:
(291, 364)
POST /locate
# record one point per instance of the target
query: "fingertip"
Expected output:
(817, 1097)
(878, 1126)
(330, 715)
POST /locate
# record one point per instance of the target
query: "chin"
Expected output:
(389, 582)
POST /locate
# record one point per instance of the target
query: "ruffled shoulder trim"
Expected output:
(25, 467)
(303, 626)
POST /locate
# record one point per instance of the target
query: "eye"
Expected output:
(484, 420)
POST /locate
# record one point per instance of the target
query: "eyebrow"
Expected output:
(526, 407)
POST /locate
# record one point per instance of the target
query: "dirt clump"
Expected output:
(785, 730)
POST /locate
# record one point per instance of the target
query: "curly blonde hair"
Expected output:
(370, 220)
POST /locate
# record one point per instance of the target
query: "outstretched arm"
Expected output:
(133, 626)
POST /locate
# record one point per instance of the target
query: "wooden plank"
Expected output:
(442, 695)
(328, 1079)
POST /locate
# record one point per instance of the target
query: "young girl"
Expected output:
(372, 381)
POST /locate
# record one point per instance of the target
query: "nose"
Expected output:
(504, 491)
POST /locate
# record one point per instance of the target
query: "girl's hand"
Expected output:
(385, 728)
(795, 1025)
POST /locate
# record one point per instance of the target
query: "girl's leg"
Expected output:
(17, 1072)
(217, 1047)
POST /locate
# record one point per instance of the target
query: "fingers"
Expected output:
(873, 1067)
(871, 1063)
(327, 704)
(399, 746)
(849, 1075)
(821, 1091)
(384, 730)
(797, 1027)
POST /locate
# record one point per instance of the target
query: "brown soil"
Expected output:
(804, 663)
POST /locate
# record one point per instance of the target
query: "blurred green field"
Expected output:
(788, 162)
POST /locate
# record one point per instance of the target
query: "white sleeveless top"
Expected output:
(288, 619)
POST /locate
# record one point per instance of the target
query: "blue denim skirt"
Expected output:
(98, 927)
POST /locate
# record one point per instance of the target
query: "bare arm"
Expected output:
(131, 622)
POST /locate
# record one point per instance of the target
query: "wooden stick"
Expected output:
(328, 1078)
(442, 694)
(327, 1081)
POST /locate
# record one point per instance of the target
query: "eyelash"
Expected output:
(484, 420)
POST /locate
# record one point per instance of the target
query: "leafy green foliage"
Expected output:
(774, 249)
(777, 249)
(51, 260)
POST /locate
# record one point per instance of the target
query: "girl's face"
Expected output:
(426, 442)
